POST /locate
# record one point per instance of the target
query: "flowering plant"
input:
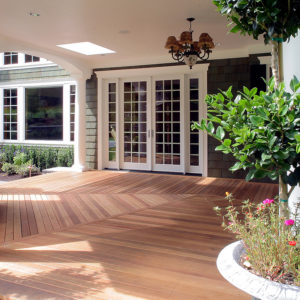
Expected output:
(270, 240)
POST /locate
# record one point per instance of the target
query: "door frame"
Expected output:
(104, 76)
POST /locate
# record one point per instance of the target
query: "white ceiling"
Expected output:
(145, 24)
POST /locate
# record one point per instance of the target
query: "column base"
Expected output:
(79, 168)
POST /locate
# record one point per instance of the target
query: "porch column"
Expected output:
(291, 67)
(79, 140)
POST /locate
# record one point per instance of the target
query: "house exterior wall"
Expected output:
(91, 123)
(221, 74)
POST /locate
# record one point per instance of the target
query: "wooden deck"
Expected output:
(116, 235)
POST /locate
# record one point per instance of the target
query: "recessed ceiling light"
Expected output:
(34, 14)
(86, 48)
(124, 31)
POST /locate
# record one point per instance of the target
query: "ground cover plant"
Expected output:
(269, 239)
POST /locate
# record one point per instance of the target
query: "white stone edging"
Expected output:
(229, 267)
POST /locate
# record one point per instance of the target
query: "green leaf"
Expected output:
(221, 148)
(246, 91)
(272, 141)
(261, 112)
(235, 29)
(265, 156)
(210, 128)
(250, 174)
(227, 142)
(215, 119)
(260, 173)
(297, 137)
(220, 133)
(283, 110)
(236, 166)
(256, 120)
(294, 84)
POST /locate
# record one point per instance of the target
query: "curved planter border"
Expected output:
(258, 287)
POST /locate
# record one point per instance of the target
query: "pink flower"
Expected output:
(292, 243)
(289, 222)
(268, 201)
(229, 223)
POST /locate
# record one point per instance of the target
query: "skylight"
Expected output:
(86, 48)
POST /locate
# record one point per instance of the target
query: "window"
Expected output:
(10, 58)
(112, 121)
(10, 118)
(44, 113)
(72, 111)
(31, 58)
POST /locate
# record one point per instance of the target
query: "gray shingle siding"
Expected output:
(34, 74)
(91, 123)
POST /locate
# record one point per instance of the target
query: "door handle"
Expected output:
(152, 133)
(149, 133)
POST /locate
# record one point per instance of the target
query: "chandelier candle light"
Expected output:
(188, 51)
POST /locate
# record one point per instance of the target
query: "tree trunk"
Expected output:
(283, 199)
(275, 63)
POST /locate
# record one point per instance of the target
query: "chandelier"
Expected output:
(188, 51)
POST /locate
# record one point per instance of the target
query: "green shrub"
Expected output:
(3, 158)
(9, 169)
(65, 157)
(20, 159)
(41, 156)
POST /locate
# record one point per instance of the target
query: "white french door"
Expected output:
(167, 114)
(146, 122)
(135, 125)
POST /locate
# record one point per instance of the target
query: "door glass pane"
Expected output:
(167, 120)
(194, 117)
(135, 121)
(112, 128)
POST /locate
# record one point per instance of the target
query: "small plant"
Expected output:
(270, 240)
(9, 169)
(28, 170)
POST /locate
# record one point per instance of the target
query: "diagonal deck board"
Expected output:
(55, 202)
(113, 235)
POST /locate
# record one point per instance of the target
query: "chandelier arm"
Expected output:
(176, 55)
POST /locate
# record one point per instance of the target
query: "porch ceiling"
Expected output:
(135, 29)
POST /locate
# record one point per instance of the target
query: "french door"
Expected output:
(135, 125)
(166, 116)
(147, 122)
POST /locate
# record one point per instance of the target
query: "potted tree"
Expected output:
(262, 131)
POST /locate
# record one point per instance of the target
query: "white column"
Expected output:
(80, 125)
(291, 67)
